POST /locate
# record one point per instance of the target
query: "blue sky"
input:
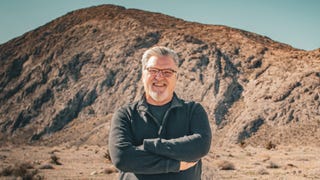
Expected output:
(294, 22)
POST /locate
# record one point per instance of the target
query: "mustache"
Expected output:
(160, 82)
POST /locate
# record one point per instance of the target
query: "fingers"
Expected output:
(186, 165)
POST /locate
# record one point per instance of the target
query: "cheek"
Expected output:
(173, 83)
(146, 79)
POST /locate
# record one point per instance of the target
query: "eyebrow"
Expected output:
(162, 69)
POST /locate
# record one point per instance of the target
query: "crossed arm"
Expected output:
(158, 155)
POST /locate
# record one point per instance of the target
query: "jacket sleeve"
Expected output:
(190, 147)
(129, 158)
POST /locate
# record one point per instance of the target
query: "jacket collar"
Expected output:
(143, 105)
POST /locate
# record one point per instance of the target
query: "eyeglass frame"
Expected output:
(162, 71)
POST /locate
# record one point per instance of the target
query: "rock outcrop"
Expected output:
(61, 82)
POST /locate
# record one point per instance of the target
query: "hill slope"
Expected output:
(61, 82)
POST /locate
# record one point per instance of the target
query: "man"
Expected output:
(160, 136)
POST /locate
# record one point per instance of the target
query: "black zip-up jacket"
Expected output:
(143, 149)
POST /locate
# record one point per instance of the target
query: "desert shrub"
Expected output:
(273, 165)
(226, 165)
(106, 155)
(270, 145)
(23, 170)
(55, 159)
(110, 170)
(46, 166)
(263, 171)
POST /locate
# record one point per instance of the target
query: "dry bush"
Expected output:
(270, 145)
(46, 166)
(291, 165)
(263, 171)
(55, 159)
(3, 157)
(226, 165)
(106, 155)
(110, 170)
(242, 144)
(24, 170)
(273, 165)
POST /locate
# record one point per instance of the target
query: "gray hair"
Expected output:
(159, 51)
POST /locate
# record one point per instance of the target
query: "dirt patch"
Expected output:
(230, 162)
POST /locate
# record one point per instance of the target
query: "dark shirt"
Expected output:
(159, 111)
(143, 149)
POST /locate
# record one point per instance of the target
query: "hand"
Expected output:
(186, 165)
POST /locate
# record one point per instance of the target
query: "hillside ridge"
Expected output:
(61, 82)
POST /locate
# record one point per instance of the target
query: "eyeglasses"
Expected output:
(165, 72)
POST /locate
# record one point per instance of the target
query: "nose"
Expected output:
(159, 75)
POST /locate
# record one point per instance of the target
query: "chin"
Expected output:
(159, 97)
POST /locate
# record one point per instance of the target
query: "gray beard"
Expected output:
(158, 97)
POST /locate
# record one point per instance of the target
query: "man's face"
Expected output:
(159, 86)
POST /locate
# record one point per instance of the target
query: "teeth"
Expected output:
(159, 84)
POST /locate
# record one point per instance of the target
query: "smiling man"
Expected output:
(161, 136)
(159, 80)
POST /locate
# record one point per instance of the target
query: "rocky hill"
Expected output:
(61, 82)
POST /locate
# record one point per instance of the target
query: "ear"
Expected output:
(143, 74)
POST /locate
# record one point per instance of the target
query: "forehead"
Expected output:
(161, 61)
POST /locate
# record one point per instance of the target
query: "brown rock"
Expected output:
(61, 82)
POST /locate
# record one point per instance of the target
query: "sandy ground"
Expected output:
(232, 162)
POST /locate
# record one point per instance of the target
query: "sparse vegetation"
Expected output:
(55, 159)
(46, 166)
(231, 162)
(270, 145)
(23, 170)
(273, 165)
(110, 170)
(263, 171)
(106, 155)
(226, 165)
